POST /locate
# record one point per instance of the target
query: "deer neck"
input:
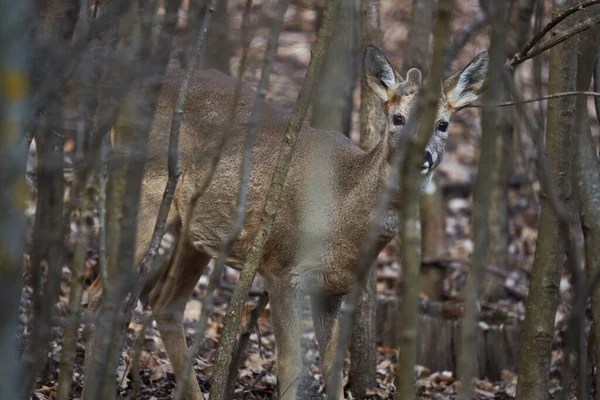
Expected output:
(370, 176)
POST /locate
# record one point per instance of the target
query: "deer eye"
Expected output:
(398, 120)
(442, 126)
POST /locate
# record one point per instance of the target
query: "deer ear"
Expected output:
(379, 74)
(414, 77)
(464, 87)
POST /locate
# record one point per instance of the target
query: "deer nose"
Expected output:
(427, 163)
(429, 158)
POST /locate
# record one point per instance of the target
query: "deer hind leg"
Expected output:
(168, 311)
(285, 316)
(326, 311)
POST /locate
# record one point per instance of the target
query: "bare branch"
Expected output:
(559, 38)
(547, 97)
(555, 21)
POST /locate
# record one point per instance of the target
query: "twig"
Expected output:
(559, 38)
(555, 21)
(547, 97)
(105, 151)
(254, 257)
(242, 343)
(597, 89)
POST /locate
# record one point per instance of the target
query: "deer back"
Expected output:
(205, 115)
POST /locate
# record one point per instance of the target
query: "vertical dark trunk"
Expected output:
(538, 329)
(587, 181)
(333, 100)
(519, 18)
(14, 193)
(363, 350)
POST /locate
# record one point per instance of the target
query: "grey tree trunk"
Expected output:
(587, 183)
(549, 256)
(363, 350)
(13, 59)
(333, 103)
(519, 18)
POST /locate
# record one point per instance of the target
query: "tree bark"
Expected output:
(333, 100)
(372, 117)
(218, 47)
(14, 23)
(363, 349)
(587, 182)
(519, 17)
(549, 255)
(417, 42)
(467, 363)
(410, 229)
(431, 211)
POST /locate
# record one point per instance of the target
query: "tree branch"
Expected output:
(555, 21)
(559, 38)
(547, 97)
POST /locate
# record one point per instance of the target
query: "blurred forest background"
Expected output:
(542, 193)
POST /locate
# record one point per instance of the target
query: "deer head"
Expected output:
(399, 96)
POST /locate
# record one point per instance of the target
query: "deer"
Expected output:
(359, 179)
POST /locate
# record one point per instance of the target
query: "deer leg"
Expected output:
(285, 316)
(325, 312)
(169, 312)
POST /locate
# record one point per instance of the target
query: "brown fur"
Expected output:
(358, 181)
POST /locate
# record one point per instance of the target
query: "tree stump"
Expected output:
(439, 326)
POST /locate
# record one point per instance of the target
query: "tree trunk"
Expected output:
(549, 255)
(587, 182)
(363, 349)
(14, 195)
(410, 227)
(467, 364)
(333, 100)
(519, 17)
(433, 235)
(218, 49)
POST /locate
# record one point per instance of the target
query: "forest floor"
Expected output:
(456, 176)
